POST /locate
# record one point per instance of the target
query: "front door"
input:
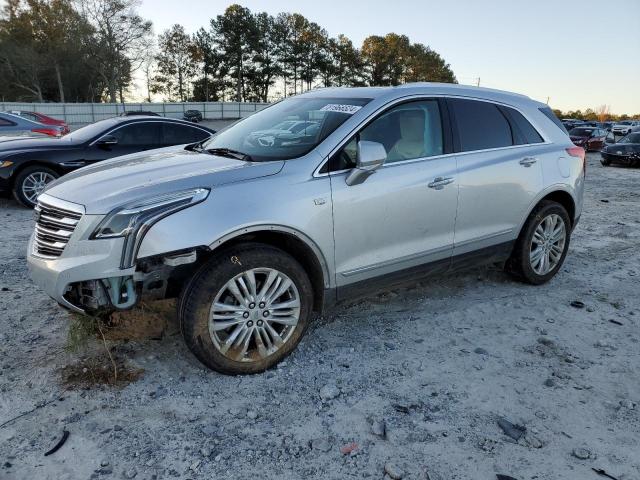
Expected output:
(403, 215)
(131, 138)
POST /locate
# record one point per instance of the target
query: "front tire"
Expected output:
(542, 245)
(246, 309)
(31, 182)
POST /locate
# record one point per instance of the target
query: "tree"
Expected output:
(121, 38)
(176, 63)
(234, 33)
(603, 113)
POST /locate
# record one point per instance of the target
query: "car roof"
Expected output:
(424, 88)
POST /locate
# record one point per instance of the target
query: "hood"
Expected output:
(15, 144)
(111, 183)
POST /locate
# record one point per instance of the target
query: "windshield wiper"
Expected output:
(228, 152)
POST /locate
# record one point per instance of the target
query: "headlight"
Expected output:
(133, 220)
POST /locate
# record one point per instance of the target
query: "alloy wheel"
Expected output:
(34, 184)
(254, 314)
(547, 244)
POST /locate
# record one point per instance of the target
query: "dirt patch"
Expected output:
(97, 370)
(149, 320)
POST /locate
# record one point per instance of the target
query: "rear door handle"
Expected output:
(528, 161)
(439, 182)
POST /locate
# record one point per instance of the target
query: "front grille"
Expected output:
(54, 227)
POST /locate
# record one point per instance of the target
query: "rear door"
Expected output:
(499, 172)
(403, 215)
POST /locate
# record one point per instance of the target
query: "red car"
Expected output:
(42, 118)
(589, 138)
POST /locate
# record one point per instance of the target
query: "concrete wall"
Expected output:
(83, 113)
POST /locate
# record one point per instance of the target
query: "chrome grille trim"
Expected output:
(54, 226)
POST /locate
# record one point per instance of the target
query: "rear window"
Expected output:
(552, 116)
(481, 125)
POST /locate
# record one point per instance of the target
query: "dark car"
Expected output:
(42, 118)
(27, 165)
(192, 116)
(589, 138)
(626, 151)
(135, 113)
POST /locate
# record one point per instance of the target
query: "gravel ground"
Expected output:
(408, 384)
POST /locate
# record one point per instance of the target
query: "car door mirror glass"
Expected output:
(370, 156)
(107, 140)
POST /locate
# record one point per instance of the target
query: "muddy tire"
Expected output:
(246, 309)
(542, 245)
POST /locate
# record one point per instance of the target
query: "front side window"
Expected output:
(288, 129)
(407, 131)
(631, 138)
(481, 125)
(139, 134)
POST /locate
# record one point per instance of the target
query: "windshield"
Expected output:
(631, 138)
(288, 129)
(624, 123)
(90, 131)
(581, 132)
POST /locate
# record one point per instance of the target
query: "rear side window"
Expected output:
(481, 125)
(523, 131)
(176, 134)
(552, 116)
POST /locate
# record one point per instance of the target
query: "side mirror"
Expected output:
(370, 157)
(107, 140)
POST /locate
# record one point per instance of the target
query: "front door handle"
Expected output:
(528, 161)
(439, 182)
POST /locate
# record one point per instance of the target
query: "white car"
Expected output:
(624, 127)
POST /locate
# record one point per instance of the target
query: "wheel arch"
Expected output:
(556, 193)
(295, 243)
(33, 163)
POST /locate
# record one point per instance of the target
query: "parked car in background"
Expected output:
(192, 116)
(570, 123)
(135, 113)
(624, 127)
(16, 125)
(589, 138)
(255, 237)
(626, 151)
(28, 165)
(42, 118)
(285, 132)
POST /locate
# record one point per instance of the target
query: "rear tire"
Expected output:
(542, 245)
(604, 162)
(30, 182)
(234, 318)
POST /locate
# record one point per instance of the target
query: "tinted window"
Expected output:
(139, 134)
(5, 123)
(176, 134)
(407, 131)
(526, 133)
(481, 125)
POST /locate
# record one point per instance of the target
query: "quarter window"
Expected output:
(481, 125)
(522, 129)
(408, 131)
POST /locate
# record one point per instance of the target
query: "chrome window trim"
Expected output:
(148, 121)
(317, 174)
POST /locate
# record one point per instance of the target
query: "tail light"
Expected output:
(47, 131)
(579, 152)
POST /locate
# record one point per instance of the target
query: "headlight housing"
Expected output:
(134, 219)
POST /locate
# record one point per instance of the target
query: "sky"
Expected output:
(575, 54)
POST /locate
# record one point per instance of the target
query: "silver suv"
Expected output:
(255, 230)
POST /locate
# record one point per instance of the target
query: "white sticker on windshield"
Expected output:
(335, 107)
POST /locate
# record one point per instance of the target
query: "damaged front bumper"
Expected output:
(87, 277)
